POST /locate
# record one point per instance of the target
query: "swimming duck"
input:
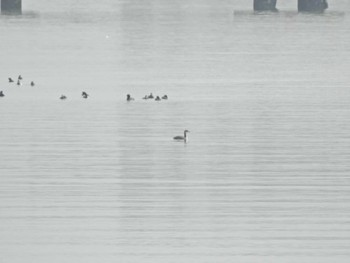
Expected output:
(20, 77)
(84, 95)
(2, 94)
(63, 97)
(157, 98)
(129, 98)
(11, 80)
(150, 96)
(182, 138)
(165, 97)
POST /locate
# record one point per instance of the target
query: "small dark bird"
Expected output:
(19, 83)
(84, 95)
(157, 98)
(165, 97)
(11, 80)
(20, 77)
(182, 138)
(63, 97)
(32, 84)
(129, 98)
(150, 96)
(2, 94)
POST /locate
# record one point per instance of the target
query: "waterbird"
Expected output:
(129, 98)
(20, 77)
(19, 83)
(150, 96)
(157, 98)
(32, 84)
(165, 97)
(11, 80)
(63, 97)
(182, 138)
(84, 95)
(2, 94)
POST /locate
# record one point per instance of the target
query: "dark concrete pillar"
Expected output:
(265, 5)
(313, 6)
(11, 7)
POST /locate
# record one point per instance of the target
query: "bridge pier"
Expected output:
(9, 7)
(265, 5)
(313, 6)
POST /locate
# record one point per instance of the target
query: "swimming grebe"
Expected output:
(165, 97)
(11, 80)
(150, 96)
(129, 98)
(84, 95)
(19, 77)
(157, 98)
(2, 94)
(19, 83)
(63, 97)
(182, 138)
(32, 84)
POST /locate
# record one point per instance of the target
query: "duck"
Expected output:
(63, 97)
(157, 98)
(19, 77)
(84, 95)
(11, 80)
(165, 97)
(2, 94)
(182, 138)
(129, 98)
(32, 84)
(150, 96)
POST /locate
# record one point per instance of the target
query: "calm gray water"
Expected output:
(265, 176)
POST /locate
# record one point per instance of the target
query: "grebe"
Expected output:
(84, 95)
(63, 97)
(19, 77)
(11, 80)
(150, 96)
(165, 97)
(129, 98)
(2, 94)
(182, 138)
(157, 98)
(19, 83)
(32, 84)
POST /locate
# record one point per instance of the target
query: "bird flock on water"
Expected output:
(18, 83)
(85, 95)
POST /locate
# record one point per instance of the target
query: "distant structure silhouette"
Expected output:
(11, 7)
(311, 6)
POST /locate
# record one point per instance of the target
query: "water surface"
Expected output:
(263, 178)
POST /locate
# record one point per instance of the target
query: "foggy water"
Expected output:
(265, 176)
